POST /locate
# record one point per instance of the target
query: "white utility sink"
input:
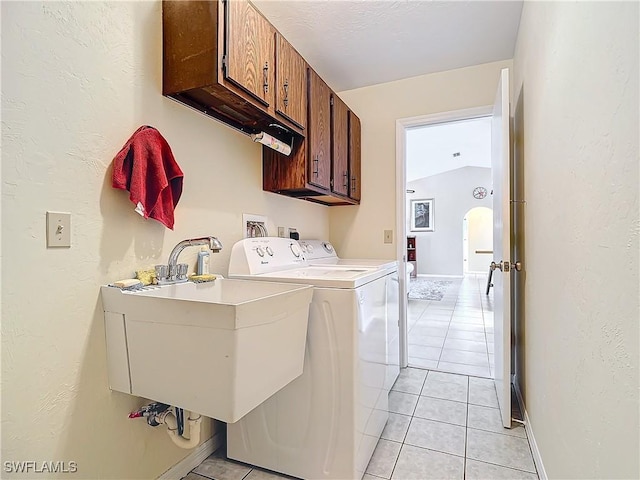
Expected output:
(219, 348)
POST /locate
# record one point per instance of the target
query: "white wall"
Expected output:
(441, 252)
(358, 231)
(77, 79)
(576, 91)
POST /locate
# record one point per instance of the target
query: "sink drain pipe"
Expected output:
(168, 418)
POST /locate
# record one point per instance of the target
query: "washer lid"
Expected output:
(330, 276)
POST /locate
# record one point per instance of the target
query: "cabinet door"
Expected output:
(250, 54)
(291, 83)
(319, 131)
(354, 155)
(340, 145)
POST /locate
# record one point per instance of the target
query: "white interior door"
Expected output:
(500, 171)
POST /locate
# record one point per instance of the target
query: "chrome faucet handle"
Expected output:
(183, 268)
(162, 273)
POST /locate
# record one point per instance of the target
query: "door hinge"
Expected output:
(331, 101)
(331, 183)
(224, 62)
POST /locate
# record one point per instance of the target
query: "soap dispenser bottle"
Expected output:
(203, 261)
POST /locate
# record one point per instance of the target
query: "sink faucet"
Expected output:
(212, 242)
(176, 273)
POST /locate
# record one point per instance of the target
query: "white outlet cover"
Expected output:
(58, 229)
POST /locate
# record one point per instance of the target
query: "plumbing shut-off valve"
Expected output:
(151, 412)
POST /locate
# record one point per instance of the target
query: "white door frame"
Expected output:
(401, 199)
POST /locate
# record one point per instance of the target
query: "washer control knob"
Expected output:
(327, 246)
(260, 251)
(295, 249)
(269, 251)
(309, 248)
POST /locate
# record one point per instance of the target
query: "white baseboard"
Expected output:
(191, 461)
(537, 458)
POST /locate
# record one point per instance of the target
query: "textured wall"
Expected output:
(77, 79)
(576, 91)
(358, 231)
(441, 252)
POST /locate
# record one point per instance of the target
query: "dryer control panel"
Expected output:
(317, 249)
(253, 256)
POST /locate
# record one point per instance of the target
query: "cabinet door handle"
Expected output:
(345, 175)
(315, 166)
(286, 93)
(265, 73)
(353, 184)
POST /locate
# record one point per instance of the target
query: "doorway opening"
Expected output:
(444, 168)
(477, 240)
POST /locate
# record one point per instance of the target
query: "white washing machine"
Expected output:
(327, 422)
(321, 252)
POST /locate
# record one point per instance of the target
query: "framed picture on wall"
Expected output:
(422, 215)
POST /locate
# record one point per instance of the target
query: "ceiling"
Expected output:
(357, 43)
(430, 149)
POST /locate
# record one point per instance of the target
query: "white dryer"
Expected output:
(327, 422)
(321, 252)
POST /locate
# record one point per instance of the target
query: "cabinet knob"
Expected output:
(345, 176)
(353, 184)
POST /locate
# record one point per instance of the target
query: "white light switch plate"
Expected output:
(58, 229)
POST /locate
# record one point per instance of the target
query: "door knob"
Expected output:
(505, 266)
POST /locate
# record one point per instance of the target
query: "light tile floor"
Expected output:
(454, 334)
(441, 426)
(447, 426)
(217, 467)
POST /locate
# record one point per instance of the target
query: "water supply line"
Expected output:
(162, 414)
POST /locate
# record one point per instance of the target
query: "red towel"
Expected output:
(146, 168)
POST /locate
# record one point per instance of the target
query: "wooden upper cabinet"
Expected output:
(319, 132)
(354, 156)
(340, 145)
(291, 83)
(250, 51)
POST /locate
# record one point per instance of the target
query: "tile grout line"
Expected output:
(448, 328)
(484, 328)
(466, 432)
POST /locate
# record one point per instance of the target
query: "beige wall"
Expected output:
(576, 90)
(358, 231)
(77, 79)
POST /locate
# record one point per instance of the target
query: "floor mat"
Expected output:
(427, 289)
